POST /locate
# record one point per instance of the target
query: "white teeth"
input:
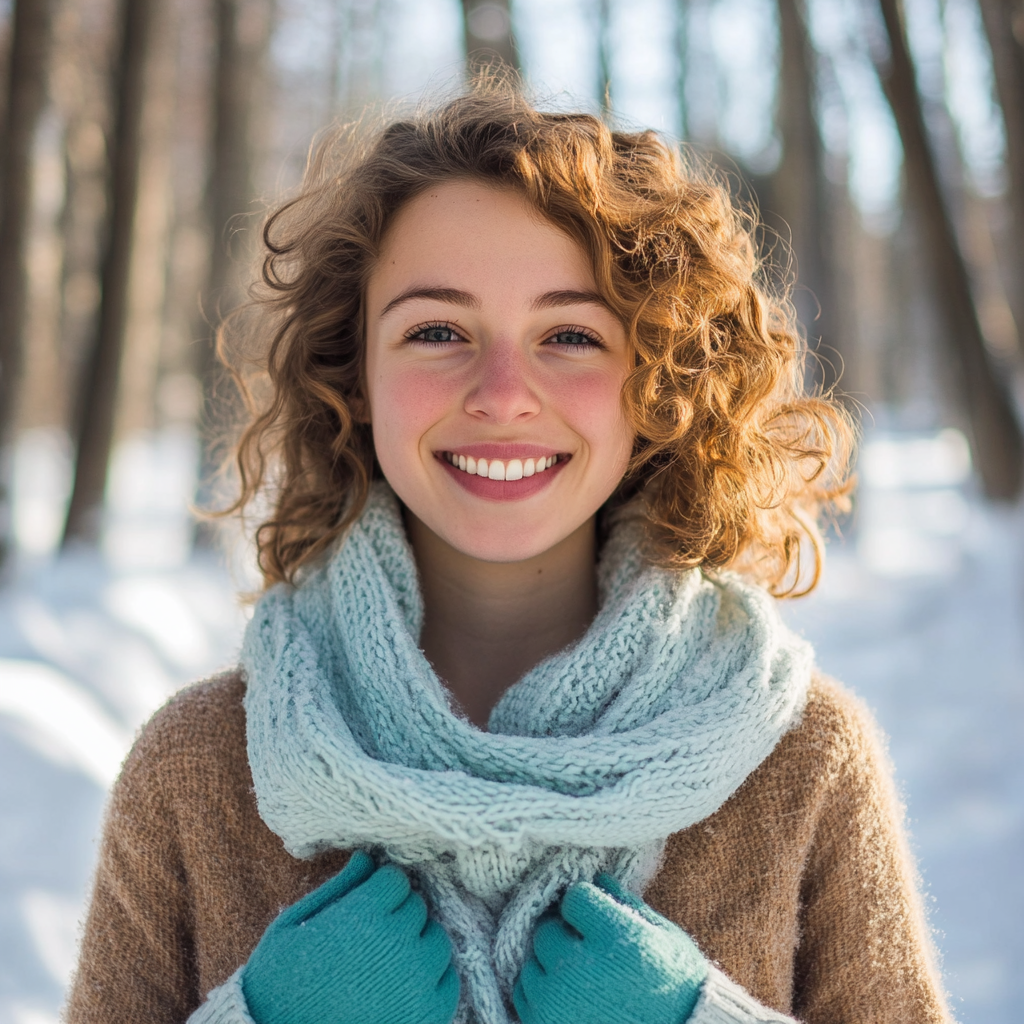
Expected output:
(495, 469)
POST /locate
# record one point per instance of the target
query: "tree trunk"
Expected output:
(81, 95)
(145, 323)
(339, 17)
(243, 36)
(489, 38)
(682, 64)
(26, 96)
(996, 436)
(800, 194)
(1004, 26)
(604, 56)
(98, 386)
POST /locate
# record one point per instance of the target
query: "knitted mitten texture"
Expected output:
(358, 950)
(607, 957)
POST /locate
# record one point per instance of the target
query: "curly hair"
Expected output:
(733, 463)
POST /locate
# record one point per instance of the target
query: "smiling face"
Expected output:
(494, 373)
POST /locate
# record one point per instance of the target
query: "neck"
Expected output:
(488, 623)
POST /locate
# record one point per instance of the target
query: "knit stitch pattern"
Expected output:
(225, 1004)
(680, 688)
(722, 1001)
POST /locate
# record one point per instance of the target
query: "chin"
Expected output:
(498, 542)
(498, 531)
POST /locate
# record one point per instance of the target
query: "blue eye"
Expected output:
(575, 339)
(435, 334)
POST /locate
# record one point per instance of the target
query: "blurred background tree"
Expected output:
(141, 146)
(97, 393)
(489, 39)
(28, 37)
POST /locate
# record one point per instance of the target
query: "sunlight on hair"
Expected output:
(734, 459)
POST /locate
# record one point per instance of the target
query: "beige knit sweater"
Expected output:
(800, 887)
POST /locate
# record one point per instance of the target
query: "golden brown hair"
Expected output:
(733, 461)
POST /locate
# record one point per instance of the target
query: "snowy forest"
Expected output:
(142, 143)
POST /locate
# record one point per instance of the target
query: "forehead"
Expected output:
(471, 235)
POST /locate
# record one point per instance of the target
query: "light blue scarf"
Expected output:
(680, 688)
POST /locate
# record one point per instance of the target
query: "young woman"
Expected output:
(518, 733)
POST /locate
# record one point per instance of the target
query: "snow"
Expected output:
(922, 616)
(90, 645)
(919, 611)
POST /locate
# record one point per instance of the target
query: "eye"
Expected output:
(434, 334)
(575, 337)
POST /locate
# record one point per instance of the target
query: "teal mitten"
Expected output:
(358, 950)
(607, 958)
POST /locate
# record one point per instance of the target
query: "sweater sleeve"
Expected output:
(137, 958)
(865, 954)
(722, 1001)
(225, 1004)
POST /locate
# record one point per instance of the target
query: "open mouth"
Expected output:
(502, 469)
(504, 472)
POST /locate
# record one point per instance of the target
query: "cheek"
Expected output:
(592, 404)
(405, 402)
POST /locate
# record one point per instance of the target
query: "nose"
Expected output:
(502, 392)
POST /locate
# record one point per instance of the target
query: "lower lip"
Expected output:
(503, 490)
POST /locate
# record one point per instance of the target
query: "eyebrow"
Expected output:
(457, 297)
(567, 297)
(452, 296)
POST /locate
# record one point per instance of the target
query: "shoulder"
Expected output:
(835, 730)
(205, 719)
(831, 765)
(834, 756)
(197, 739)
(198, 713)
(826, 788)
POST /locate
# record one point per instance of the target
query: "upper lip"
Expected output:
(505, 452)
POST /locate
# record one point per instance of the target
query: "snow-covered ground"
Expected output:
(90, 645)
(939, 657)
(920, 612)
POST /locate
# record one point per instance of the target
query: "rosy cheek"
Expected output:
(407, 400)
(591, 403)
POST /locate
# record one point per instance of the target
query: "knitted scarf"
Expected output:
(679, 689)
